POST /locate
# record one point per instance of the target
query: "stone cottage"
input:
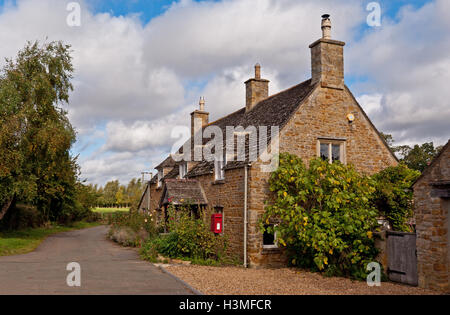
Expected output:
(316, 118)
(432, 208)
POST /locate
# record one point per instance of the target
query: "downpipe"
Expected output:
(245, 214)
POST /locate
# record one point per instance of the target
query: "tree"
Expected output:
(417, 157)
(36, 135)
(394, 195)
(110, 191)
(322, 215)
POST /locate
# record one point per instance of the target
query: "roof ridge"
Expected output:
(222, 118)
(280, 92)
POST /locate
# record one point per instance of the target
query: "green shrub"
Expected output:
(133, 220)
(131, 229)
(21, 216)
(149, 251)
(394, 195)
(322, 215)
(189, 238)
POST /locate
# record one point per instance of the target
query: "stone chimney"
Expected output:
(327, 58)
(257, 89)
(199, 118)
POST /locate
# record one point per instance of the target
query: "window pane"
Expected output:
(268, 239)
(336, 151)
(324, 153)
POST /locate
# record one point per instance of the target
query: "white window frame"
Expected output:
(160, 177)
(183, 170)
(330, 143)
(219, 172)
(275, 240)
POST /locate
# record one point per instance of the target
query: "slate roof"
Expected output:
(275, 110)
(183, 191)
(169, 162)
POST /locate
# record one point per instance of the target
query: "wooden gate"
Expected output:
(402, 257)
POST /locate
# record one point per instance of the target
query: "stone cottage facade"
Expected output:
(316, 118)
(432, 208)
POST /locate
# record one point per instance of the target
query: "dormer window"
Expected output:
(183, 170)
(218, 168)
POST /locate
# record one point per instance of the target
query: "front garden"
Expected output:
(189, 239)
(325, 216)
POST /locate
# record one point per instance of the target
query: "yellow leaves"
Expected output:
(285, 194)
(331, 252)
(369, 234)
(325, 261)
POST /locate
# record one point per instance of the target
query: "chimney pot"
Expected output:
(327, 59)
(257, 89)
(199, 120)
(202, 104)
(326, 26)
(258, 71)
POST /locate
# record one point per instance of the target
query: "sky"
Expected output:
(142, 65)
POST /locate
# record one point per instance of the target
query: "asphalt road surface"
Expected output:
(106, 268)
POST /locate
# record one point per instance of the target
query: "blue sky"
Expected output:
(136, 79)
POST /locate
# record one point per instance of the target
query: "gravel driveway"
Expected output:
(240, 281)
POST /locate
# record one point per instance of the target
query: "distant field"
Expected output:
(109, 210)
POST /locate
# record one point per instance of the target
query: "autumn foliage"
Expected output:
(322, 215)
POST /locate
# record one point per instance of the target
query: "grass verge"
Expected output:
(27, 240)
(111, 210)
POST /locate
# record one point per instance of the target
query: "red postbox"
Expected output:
(216, 223)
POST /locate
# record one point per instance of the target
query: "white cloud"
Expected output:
(134, 82)
(371, 103)
(409, 65)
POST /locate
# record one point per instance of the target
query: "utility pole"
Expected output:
(151, 176)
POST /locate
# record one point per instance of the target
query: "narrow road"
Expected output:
(106, 268)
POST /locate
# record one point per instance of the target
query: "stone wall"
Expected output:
(256, 91)
(227, 197)
(323, 115)
(327, 63)
(432, 226)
